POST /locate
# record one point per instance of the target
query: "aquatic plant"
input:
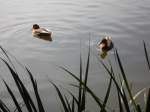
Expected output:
(26, 97)
(126, 99)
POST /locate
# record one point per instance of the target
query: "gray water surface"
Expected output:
(73, 22)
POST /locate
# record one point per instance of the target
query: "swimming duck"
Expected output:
(41, 33)
(105, 45)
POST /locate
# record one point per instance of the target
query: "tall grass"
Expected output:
(124, 91)
(26, 97)
(78, 103)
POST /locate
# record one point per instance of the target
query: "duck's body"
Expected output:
(105, 45)
(41, 32)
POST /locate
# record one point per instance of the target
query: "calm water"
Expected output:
(72, 21)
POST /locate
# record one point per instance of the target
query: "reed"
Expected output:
(26, 97)
(126, 99)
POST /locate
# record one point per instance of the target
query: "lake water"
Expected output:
(73, 22)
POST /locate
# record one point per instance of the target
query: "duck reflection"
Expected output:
(41, 33)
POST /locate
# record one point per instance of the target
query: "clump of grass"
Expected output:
(126, 100)
(79, 101)
(26, 97)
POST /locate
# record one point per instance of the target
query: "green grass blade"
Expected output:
(73, 96)
(139, 108)
(112, 76)
(87, 66)
(115, 82)
(126, 101)
(3, 107)
(88, 89)
(83, 100)
(23, 91)
(80, 86)
(21, 106)
(5, 53)
(60, 97)
(73, 105)
(70, 73)
(125, 79)
(85, 82)
(13, 97)
(120, 103)
(98, 101)
(138, 94)
(148, 102)
(107, 94)
(68, 105)
(146, 55)
(15, 77)
(34, 84)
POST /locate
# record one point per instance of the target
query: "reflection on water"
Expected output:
(72, 21)
(44, 36)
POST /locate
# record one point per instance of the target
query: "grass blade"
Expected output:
(97, 100)
(67, 102)
(146, 55)
(3, 107)
(80, 86)
(73, 105)
(139, 108)
(125, 79)
(126, 101)
(34, 84)
(13, 97)
(85, 81)
(120, 103)
(75, 99)
(5, 53)
(87, 66)
(82, 107)
(116, 83)
(137, 94)
(23, 91)
(60, 97)
(107, 95)
(148, 102)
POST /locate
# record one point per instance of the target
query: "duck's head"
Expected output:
(36, 26)
(103, 43)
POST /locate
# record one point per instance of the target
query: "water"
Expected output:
(72, 21)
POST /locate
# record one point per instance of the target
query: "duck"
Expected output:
(105, 45)
(41, 33)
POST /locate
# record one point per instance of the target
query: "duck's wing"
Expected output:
(37, 31)
(43, 30)
(110, 45)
